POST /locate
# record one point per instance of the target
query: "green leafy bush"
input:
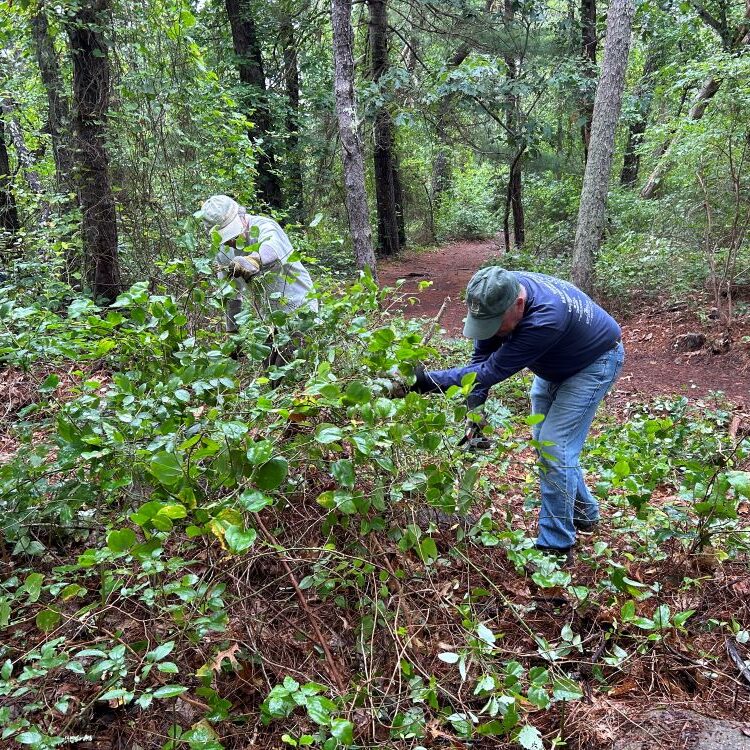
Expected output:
(468, 209)
(177, 487)
(634, 267)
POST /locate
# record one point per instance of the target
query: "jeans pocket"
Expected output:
(602, 367)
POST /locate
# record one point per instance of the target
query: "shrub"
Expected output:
(467, 210)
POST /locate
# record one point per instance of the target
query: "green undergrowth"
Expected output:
(196, 553)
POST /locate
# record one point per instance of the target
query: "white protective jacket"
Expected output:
(281, 284)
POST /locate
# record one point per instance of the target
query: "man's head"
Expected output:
(222, 213)
(495, 301)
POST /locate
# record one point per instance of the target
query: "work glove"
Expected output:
(397, 387)
(244, 267)
(474, 437)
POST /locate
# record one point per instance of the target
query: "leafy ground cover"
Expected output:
(195, 556)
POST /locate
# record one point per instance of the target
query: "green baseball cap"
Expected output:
(490, 293)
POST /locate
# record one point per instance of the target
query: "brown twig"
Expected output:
(436, 321)
(332, 666)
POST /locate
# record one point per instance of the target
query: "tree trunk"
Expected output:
(398, 193)
(91, 89)
(514, 191)
(25, 157)
(59, 107)
(383, 157)
(644, 94)
(631, 161)
(592, 211)
(708, 90)
(252, 75)
(351, 144)
(514, 205)
(9, 223)
(291, 83)
(441, 167)
(589, 44)
(664, 164)
(385, 193)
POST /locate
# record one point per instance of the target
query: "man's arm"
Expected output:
(521, 350)
(483, 350)
(274, 246)
(246, 266)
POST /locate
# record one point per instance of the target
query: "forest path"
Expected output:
(652, 366)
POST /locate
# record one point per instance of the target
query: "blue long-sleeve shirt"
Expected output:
(562, 332)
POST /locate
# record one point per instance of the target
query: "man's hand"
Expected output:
(474, 435)
(244, 267)
(394, 384)
(397, 387)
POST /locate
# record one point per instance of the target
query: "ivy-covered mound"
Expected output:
(197, 554)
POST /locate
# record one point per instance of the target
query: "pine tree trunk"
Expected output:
(383, 152)
(441, 168)
(9, 223)
(351, 143)
(592, 211)
(631, 162)
(514, 207)
(664, 164)
(291, 83)
(516, 203)
(398, 193)
(91, 89)
(252, 75)
(707, 92)
(589, 44)
(25, 157)
(388, 235)
(514, 190)
(644, 94)
(59, 106)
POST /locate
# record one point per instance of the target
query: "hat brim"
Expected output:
(231, 230)
(481, 328)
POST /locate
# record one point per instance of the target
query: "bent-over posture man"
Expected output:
(264, 274)
(573, 347)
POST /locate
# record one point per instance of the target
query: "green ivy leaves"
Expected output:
(121, 540)
(166, 467)
(239, 540)
(271, 474)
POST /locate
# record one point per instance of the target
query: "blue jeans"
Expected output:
(569, 409)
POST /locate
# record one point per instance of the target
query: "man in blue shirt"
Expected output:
(573, 347)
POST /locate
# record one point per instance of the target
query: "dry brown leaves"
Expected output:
(20, 388)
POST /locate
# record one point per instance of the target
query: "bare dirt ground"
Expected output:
(653, 367)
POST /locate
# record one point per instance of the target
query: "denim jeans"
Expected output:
(569, 409)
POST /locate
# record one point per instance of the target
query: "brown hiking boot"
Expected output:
(564, 555)
(585, 527)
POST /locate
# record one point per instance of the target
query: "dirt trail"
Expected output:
(652, 366)
(449, 268)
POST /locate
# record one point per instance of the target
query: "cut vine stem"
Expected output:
(332, 666)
